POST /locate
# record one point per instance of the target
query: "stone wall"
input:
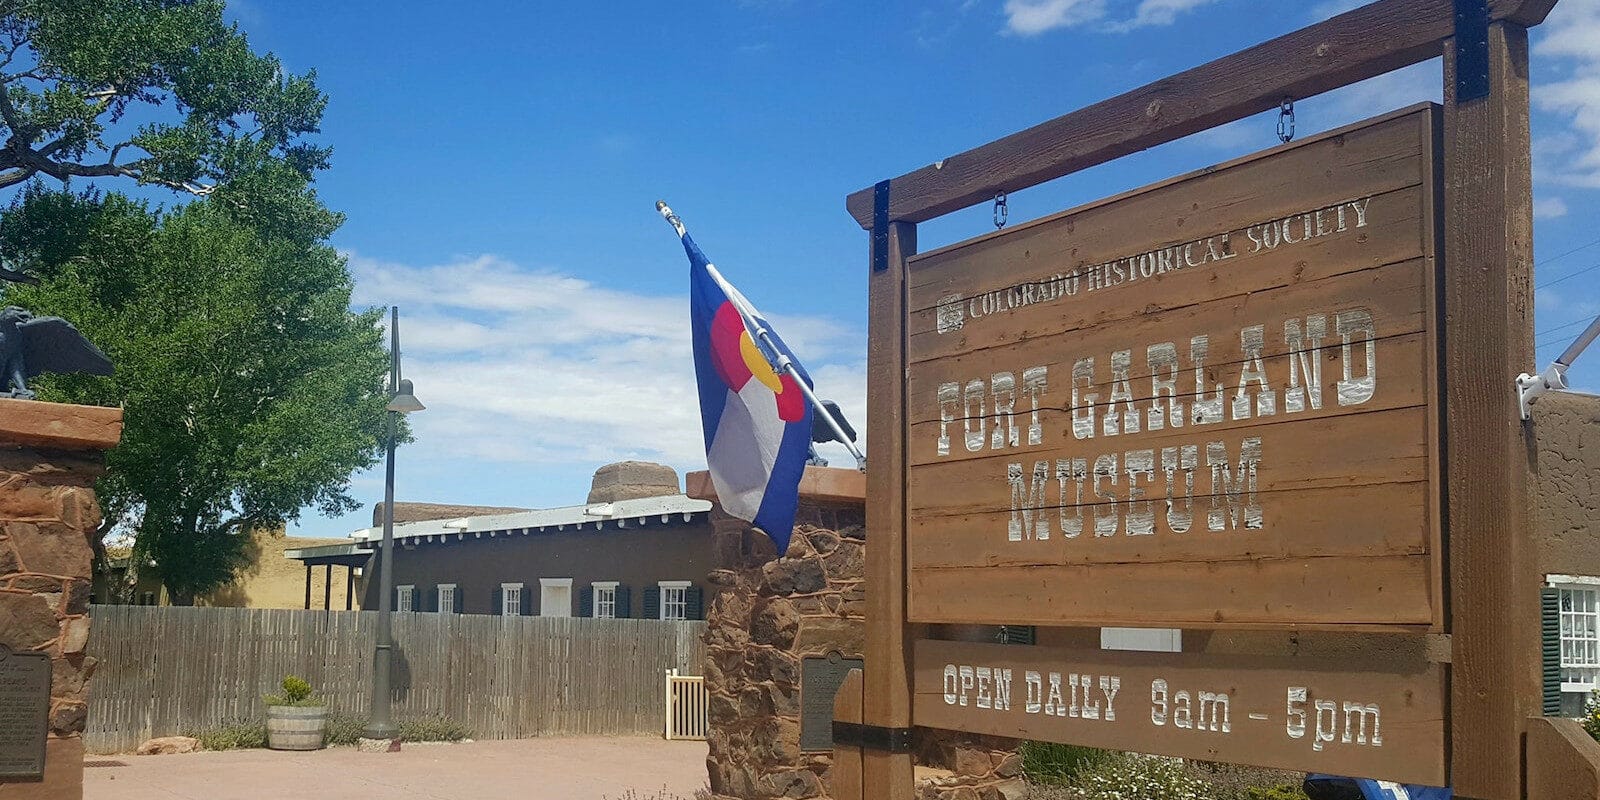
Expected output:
(767, 613)
(50, 455)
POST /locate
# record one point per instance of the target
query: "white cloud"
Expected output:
(1031, 17)
(1156, 12)
(1549, 208)
(1571, 36)
(1385, 92)
(1333, 8)
(528, 366)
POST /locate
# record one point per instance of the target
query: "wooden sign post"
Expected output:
(1272, 395)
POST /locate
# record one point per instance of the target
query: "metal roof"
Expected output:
(641, 513)
(332, 553)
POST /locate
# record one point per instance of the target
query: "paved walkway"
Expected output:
(584, 768)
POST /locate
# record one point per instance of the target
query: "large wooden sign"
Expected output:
(1346, 717)
(1274, 394)
(1211, 402)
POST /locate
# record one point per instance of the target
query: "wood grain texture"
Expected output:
(1346, 492)
(887, 677)
(844, 777)
(1488, 340)
(1327, 592)
(1409, 697)
(1359, 44)
(1563, 760)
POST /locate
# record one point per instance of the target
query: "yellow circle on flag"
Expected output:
(757, 363)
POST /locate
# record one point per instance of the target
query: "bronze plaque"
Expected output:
(1211, 402)
(820, 677)
(24, 713)
(1376, 718)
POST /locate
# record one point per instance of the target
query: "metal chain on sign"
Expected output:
(1286, 120)
(1000, 210)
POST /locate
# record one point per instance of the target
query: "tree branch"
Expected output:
(8, 112)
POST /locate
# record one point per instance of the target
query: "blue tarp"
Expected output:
(1329, 787)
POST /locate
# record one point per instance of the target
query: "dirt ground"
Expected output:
(581, 768)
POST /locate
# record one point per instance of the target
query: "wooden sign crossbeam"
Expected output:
(1363, 43)
(1413, 492)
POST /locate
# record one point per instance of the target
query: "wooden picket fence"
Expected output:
(164, 671)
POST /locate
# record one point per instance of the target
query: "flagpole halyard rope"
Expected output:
(776, 358)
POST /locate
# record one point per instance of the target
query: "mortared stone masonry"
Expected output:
(768, 613)
(50, 456)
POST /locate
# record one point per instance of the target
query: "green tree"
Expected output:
(249, 389)
(160, 91)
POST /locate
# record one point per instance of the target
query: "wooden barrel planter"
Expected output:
(296, 727)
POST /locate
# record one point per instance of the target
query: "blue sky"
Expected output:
(499, 161)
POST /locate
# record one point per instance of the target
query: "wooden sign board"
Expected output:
(1211, 402)
(1372, 720)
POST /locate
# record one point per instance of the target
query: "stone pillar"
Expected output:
(769, 613)
(50, 456)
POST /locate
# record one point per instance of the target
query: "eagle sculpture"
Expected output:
(822, 432)
(31, 346)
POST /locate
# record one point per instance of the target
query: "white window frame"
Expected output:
(545, 585)
(402, 597)
(604, 596)
(680, 603)
(511, 599)
(1148, 640)
(445, 598)
(1579, 606)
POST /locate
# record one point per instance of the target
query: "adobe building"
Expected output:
(637, 548)
(267, 579)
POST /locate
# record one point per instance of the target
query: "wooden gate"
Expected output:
(686, 706)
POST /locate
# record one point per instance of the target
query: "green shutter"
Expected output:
(694, 606)
(586, 600)
(624, 607)
(652, 602)
(499, 602)
(1550, 648)
(1018, 634)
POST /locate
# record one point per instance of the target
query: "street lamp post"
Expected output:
(380, 724)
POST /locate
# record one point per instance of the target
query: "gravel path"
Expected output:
(584, 768)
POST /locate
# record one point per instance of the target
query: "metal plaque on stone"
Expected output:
(24, 713)
(820, 677)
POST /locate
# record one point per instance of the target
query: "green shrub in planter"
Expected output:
(296, 720)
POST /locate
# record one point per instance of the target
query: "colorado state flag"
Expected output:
(756, 419)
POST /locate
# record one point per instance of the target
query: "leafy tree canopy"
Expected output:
(249, 389)
(161, 91)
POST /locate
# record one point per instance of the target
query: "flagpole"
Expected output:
(785, 364)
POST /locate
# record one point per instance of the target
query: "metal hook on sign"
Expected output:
(1286, 120)
(1000, 210)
